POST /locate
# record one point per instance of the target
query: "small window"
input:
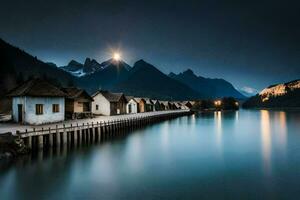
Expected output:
(97, 107)
(55, 108)
(39, 109)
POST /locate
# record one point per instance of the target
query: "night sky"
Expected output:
(251, 44)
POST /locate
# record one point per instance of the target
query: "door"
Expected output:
(129, 108)
(20, 113)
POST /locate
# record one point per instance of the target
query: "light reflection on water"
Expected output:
(266, 140)
(218, 122)
(282, 130)
(216, 155)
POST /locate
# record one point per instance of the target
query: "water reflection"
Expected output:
(266, 140)
(229, 154)
(193, 123)
(236, 116)
(218, 122)
(165, 135)
(282, 130)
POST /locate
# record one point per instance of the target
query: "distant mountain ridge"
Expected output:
(210, 88)
(279, 95)
(111, 73)
(146, 80)
(16, 66)
(90, 66)
(143, 79)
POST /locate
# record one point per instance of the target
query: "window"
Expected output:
(55, 108)
(97, 107)
(39, 109)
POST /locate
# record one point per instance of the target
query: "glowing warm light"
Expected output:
(265, 99)
(218, 103)
(117, 56)
(237, 103)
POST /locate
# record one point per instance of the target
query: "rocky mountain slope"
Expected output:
(112, 72)
(280, 95)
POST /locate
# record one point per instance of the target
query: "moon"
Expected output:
(117, 56)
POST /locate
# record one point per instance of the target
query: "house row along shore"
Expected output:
(45, 116)
(38, 102)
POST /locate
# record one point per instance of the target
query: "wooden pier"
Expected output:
(88, 133)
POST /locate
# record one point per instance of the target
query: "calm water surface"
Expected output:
(231, 155)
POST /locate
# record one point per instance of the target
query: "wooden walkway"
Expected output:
(14, 128)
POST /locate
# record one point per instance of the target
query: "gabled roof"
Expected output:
(187, 104)
(36, 88)
(148, 101)
(177, 104)
(74, 93)
(166, 103)
(110, 96)
(128, 98)
(137, 99)
(155, 101)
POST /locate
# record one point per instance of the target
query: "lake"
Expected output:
(247, 154)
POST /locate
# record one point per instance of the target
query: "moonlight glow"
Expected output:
(117, 56)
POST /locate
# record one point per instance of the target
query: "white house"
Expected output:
(132, 105)
(37, 102)
(108, 103)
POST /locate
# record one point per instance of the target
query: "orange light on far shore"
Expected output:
(218, 103)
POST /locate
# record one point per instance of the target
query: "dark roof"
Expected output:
(36, 88)
(166, 103)
(74, 93)
(156, 101)
(148, 101)
(137, 99)
(111, 97)
(128, 98)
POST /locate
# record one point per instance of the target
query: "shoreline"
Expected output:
(48, 136)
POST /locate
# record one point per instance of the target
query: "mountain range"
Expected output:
(106, 78)
(146, 80)
(143, 79)
(90, 66)
(213, 88)
(16, 66)
(284, 95)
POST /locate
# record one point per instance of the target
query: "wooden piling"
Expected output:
(93, 133)
(57, 136)
(99, 132)
(75, 141)
(40, 143)
(65, 136)
(50, 138)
